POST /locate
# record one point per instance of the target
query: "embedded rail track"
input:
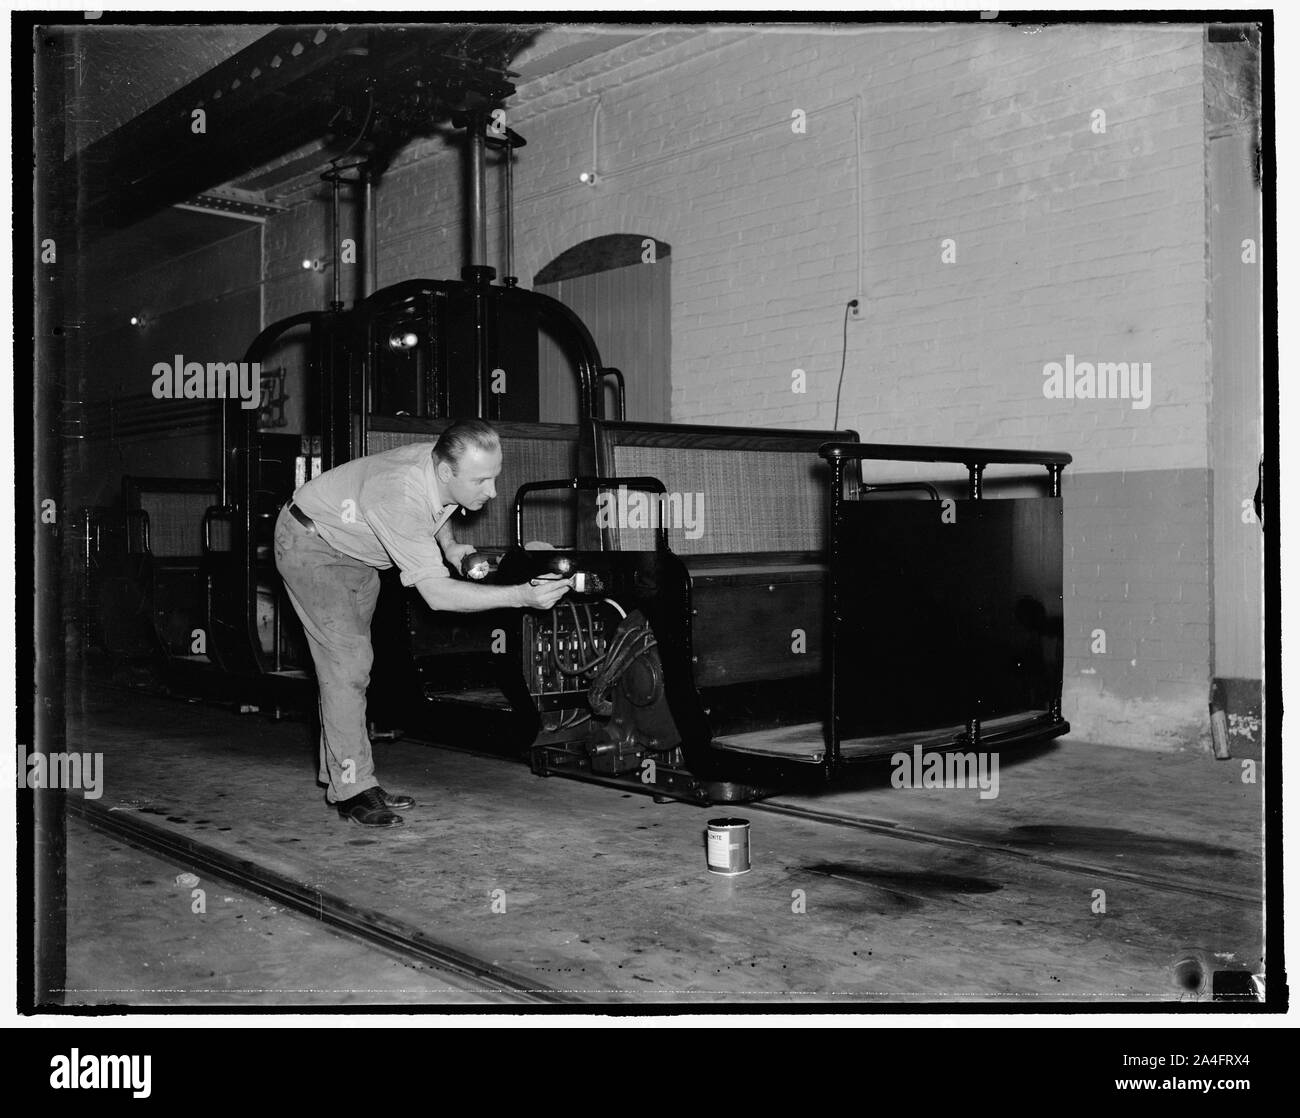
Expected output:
(366, 925)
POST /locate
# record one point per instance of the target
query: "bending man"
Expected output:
(340, 529)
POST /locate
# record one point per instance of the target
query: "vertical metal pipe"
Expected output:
(509, 230)
(478, 270)
(832, 762)
(1054, 471)
(370, 225)
(477, 205)
(480, 358)
(337, 303)
(225, 459)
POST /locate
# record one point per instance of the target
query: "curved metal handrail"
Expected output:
(648, 484)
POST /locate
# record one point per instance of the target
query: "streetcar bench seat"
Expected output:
(529, 452)
(746, 511)
(174, 510)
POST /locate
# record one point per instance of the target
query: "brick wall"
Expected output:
(1063, 239)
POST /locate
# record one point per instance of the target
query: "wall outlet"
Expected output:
(858, 308)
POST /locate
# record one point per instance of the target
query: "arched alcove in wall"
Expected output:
(619, 285)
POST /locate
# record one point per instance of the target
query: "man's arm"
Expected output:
(454, 552)
(468, 597)
(421, 562)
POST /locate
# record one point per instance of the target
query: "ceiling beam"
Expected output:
(287, 89)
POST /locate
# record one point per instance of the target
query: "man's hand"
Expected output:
(455, 554)
(544, 591)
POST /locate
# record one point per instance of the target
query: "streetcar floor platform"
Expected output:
(1092, 877)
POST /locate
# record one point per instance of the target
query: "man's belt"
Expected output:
(301, 517)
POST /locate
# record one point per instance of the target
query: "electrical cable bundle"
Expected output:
(630, 643)
(585, 636)
(603, 668)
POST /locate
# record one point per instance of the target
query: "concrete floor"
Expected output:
(948, 898)
(238, 951)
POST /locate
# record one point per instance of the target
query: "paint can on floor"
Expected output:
(728, 846)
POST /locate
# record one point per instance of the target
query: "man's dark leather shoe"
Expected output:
(401, 803)
(369, 809)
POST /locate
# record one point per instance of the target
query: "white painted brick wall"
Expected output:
(1067, 241)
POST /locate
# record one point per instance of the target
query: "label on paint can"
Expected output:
(728, 846)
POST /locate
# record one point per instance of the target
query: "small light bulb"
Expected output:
(408, 340)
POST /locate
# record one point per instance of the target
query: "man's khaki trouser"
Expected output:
(335, 597)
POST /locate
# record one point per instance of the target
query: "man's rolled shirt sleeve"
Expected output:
(411, 544)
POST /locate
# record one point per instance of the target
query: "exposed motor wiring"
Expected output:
(585, 636)
(627, 645)
(610, 601)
